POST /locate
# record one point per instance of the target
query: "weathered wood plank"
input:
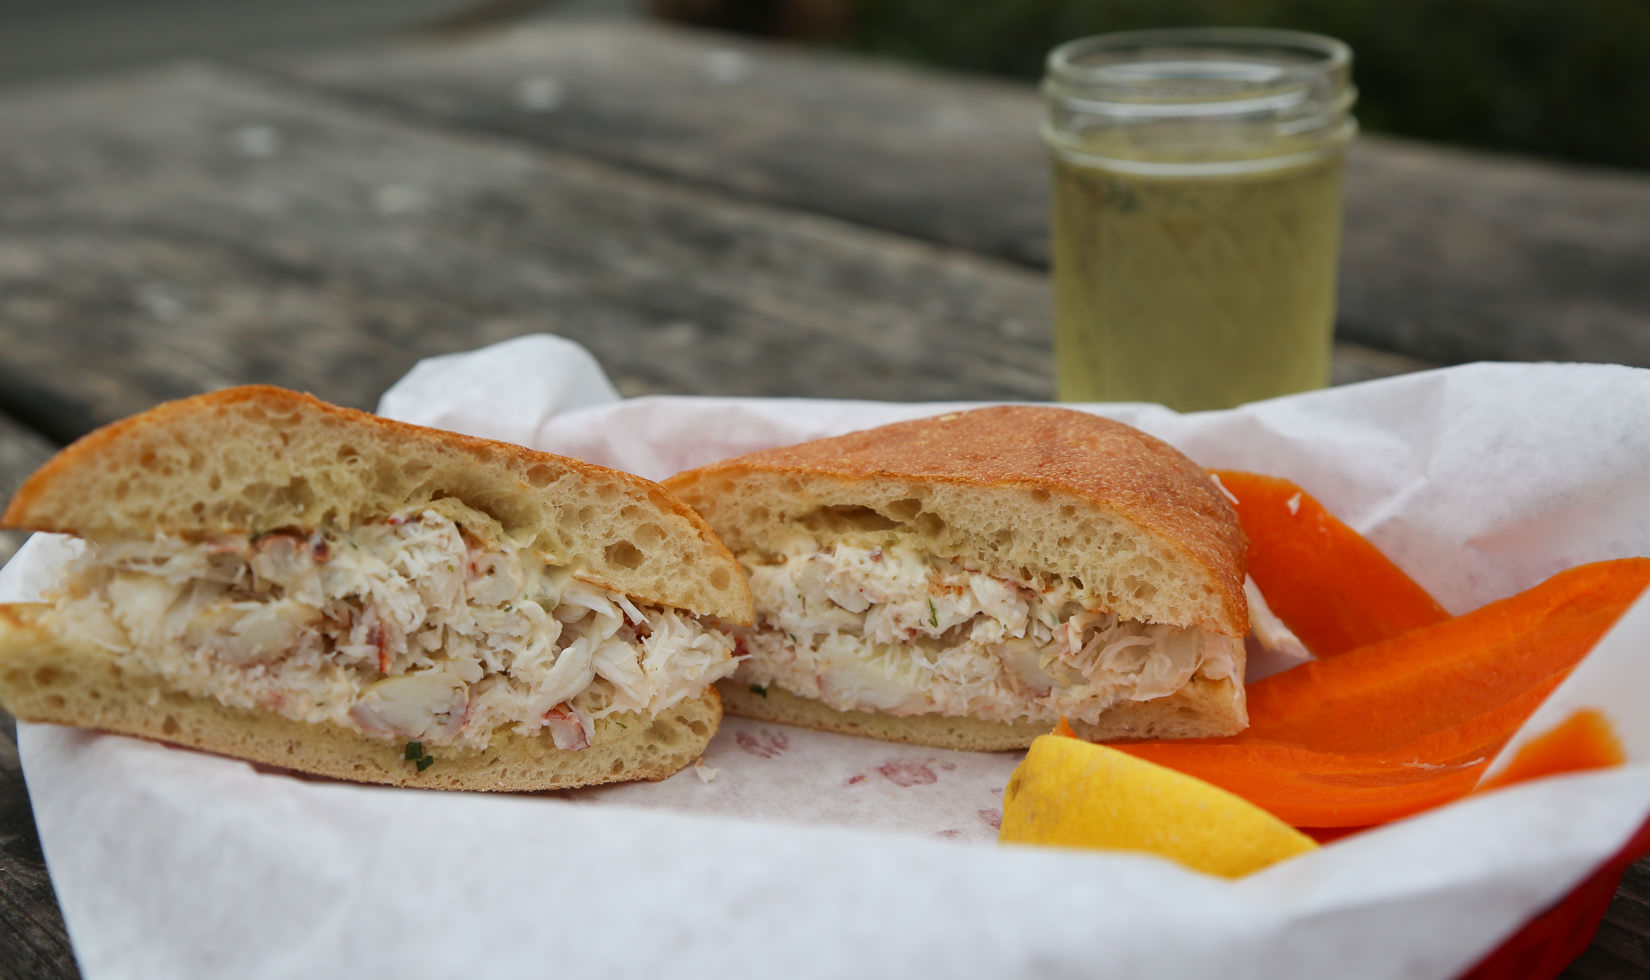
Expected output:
(190, 228)
(1449, 256)
(32, 938)
(1622, 946)
(948, 158)
(69, 37)
(22, 451)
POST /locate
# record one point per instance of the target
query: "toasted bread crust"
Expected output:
(1012, 470)
(257, 457)
(1049, 497)
(46, 678)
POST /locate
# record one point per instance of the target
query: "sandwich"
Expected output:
(266, 576)
(968, 580)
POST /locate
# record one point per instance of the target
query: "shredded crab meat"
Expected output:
(407, 628)
(886, 627)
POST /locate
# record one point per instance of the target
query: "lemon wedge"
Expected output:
(1071, 793)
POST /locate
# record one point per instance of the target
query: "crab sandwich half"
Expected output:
(967, 580)
(273, 578)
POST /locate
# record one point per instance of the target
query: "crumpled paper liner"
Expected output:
(798, 854)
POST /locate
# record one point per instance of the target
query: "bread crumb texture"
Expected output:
(258, 458)
(1038, 494)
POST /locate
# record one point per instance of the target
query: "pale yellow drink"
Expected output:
(1196, 213)
(1194, 291)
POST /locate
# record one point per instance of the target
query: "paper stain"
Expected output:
(908, 772)
(764, 745)
(992, 818)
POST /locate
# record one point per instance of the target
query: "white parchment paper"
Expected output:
(798, 854)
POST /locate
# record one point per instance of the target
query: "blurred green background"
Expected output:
(1560, 78)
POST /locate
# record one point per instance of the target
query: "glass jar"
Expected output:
(1196, 212)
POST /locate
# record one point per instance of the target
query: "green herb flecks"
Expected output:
(933, 615)
(759, 689)
(415, 754)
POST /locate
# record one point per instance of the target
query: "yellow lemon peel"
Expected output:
(1071, 793)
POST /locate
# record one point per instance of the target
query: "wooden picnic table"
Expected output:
(707, 215)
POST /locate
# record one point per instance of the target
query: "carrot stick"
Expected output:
(1412, 722)
(1328, 584)
(1305, 787)
(1436, 678)
(1582, 741)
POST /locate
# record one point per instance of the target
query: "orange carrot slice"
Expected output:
(1305, 788)
(1334, 589)
(1409, 723)
(1582, 741)
(1436, 678)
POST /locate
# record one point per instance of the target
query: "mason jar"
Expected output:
(1196, 212)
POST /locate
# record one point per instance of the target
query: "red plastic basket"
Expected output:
(1551, 941)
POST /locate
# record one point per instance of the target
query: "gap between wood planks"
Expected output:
(1354, 361)
(1448, 256)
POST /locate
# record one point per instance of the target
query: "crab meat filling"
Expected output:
(887, 627)
(409, 628)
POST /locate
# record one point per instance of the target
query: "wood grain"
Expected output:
(191, 228)
(69, 37)
(1448, 256)
(1621, 948)
(362, 243)
(33, 940)
(22, 451)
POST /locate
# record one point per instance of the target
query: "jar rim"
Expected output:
(1219, 70)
